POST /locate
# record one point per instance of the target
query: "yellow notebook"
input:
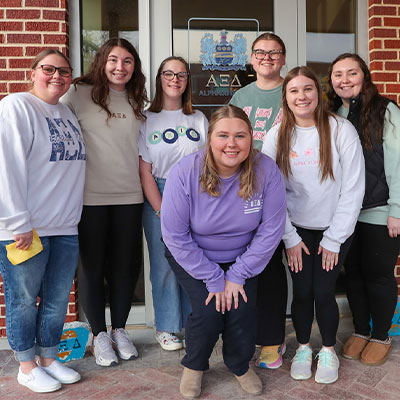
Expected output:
(17, 256)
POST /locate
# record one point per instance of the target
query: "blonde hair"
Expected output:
(210, 180)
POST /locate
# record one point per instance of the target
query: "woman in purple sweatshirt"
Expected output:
(222, 217)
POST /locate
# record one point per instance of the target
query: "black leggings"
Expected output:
(371, 285)
(110, 242)
(272, 295)
(314, 285)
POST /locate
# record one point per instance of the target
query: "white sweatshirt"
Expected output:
(42, 167)
(331, 205)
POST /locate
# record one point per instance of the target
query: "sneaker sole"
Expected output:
(302, 377)
(325, 382)
(351, 357)
(102, 363)
(126, 358)
(42, 390)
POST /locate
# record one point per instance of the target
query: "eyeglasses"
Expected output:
(170, 75)
(48, 69)
(273, 54)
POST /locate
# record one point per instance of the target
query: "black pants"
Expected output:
(371, 285)
(110, 244)
(205, 324)
(272, 295)
(314, 285)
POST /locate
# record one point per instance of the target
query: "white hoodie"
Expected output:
(42, 167)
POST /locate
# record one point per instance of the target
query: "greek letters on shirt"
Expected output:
(66, 140)
(171, 135)
(254, 204)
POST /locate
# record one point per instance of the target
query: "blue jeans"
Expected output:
(33, 330)
(170, 302)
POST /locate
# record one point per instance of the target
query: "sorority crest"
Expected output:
(223, 55)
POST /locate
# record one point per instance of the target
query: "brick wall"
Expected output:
(384, 51)
(27, 27)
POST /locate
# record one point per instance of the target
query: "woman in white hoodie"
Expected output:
(42, 173)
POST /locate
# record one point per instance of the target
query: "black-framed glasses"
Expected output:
(170, 75)
(48, 69)
(273, 54)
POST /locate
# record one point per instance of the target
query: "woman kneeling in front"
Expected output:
(223, 215)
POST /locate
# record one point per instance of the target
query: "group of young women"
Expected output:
(216, 228)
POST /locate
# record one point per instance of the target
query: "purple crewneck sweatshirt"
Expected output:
(201, 231)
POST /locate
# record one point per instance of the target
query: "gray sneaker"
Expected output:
(328, 366)
(301, 363)
(122, 344)
(103, 351)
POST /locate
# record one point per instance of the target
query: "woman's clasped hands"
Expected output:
(225, 299)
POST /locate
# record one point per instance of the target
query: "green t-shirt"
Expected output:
(263, 107)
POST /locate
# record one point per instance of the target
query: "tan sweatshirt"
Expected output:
(112, 168)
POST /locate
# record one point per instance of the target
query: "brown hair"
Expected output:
(137, 95)
(48, 52)
(209, 179)
(156, 105)
(372, 102)
(287, 128)
(270, 36)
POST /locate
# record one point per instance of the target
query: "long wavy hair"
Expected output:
(137, 95)
(270, 36)
(157, 103)
(286, 135)
(209, 179)
(373, 104)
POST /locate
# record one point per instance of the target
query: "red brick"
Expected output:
(11, 26)
(57, 15)
(383, 10)
(384, 77)
(382, 33)
(71, 309)
(3, 87)
(34, 51)
(391, 21)
(391, 44)
(392, 65)
(23, 14)
(42, 3)
(18, 87)
(3, 63)
(375, 44)
(24, 38)
(2, 38)
(42, 26)
(64, 27)
(2, 322)
(3, 332)
(371, 2)
(12, 75)
(392, 2)
(2, 299)
(393, 88)
(10, 3)
(2, 311)
(55, 39)
(381, 87)
(64, 4)
(20, 62)
(10, 51)
(70, 318)
(375, 21)
(383, 55)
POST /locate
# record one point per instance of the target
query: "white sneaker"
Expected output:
(301, 363)
(103, 351)
(60, 372)
(122, 344)
(168, 341)
(328, 366)
(38, 381)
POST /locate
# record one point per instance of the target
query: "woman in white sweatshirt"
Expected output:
(42, 173)
(320, 157)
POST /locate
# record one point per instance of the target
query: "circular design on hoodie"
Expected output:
(192, 134)
(155, 137)
(170, 136)
(181, 130)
